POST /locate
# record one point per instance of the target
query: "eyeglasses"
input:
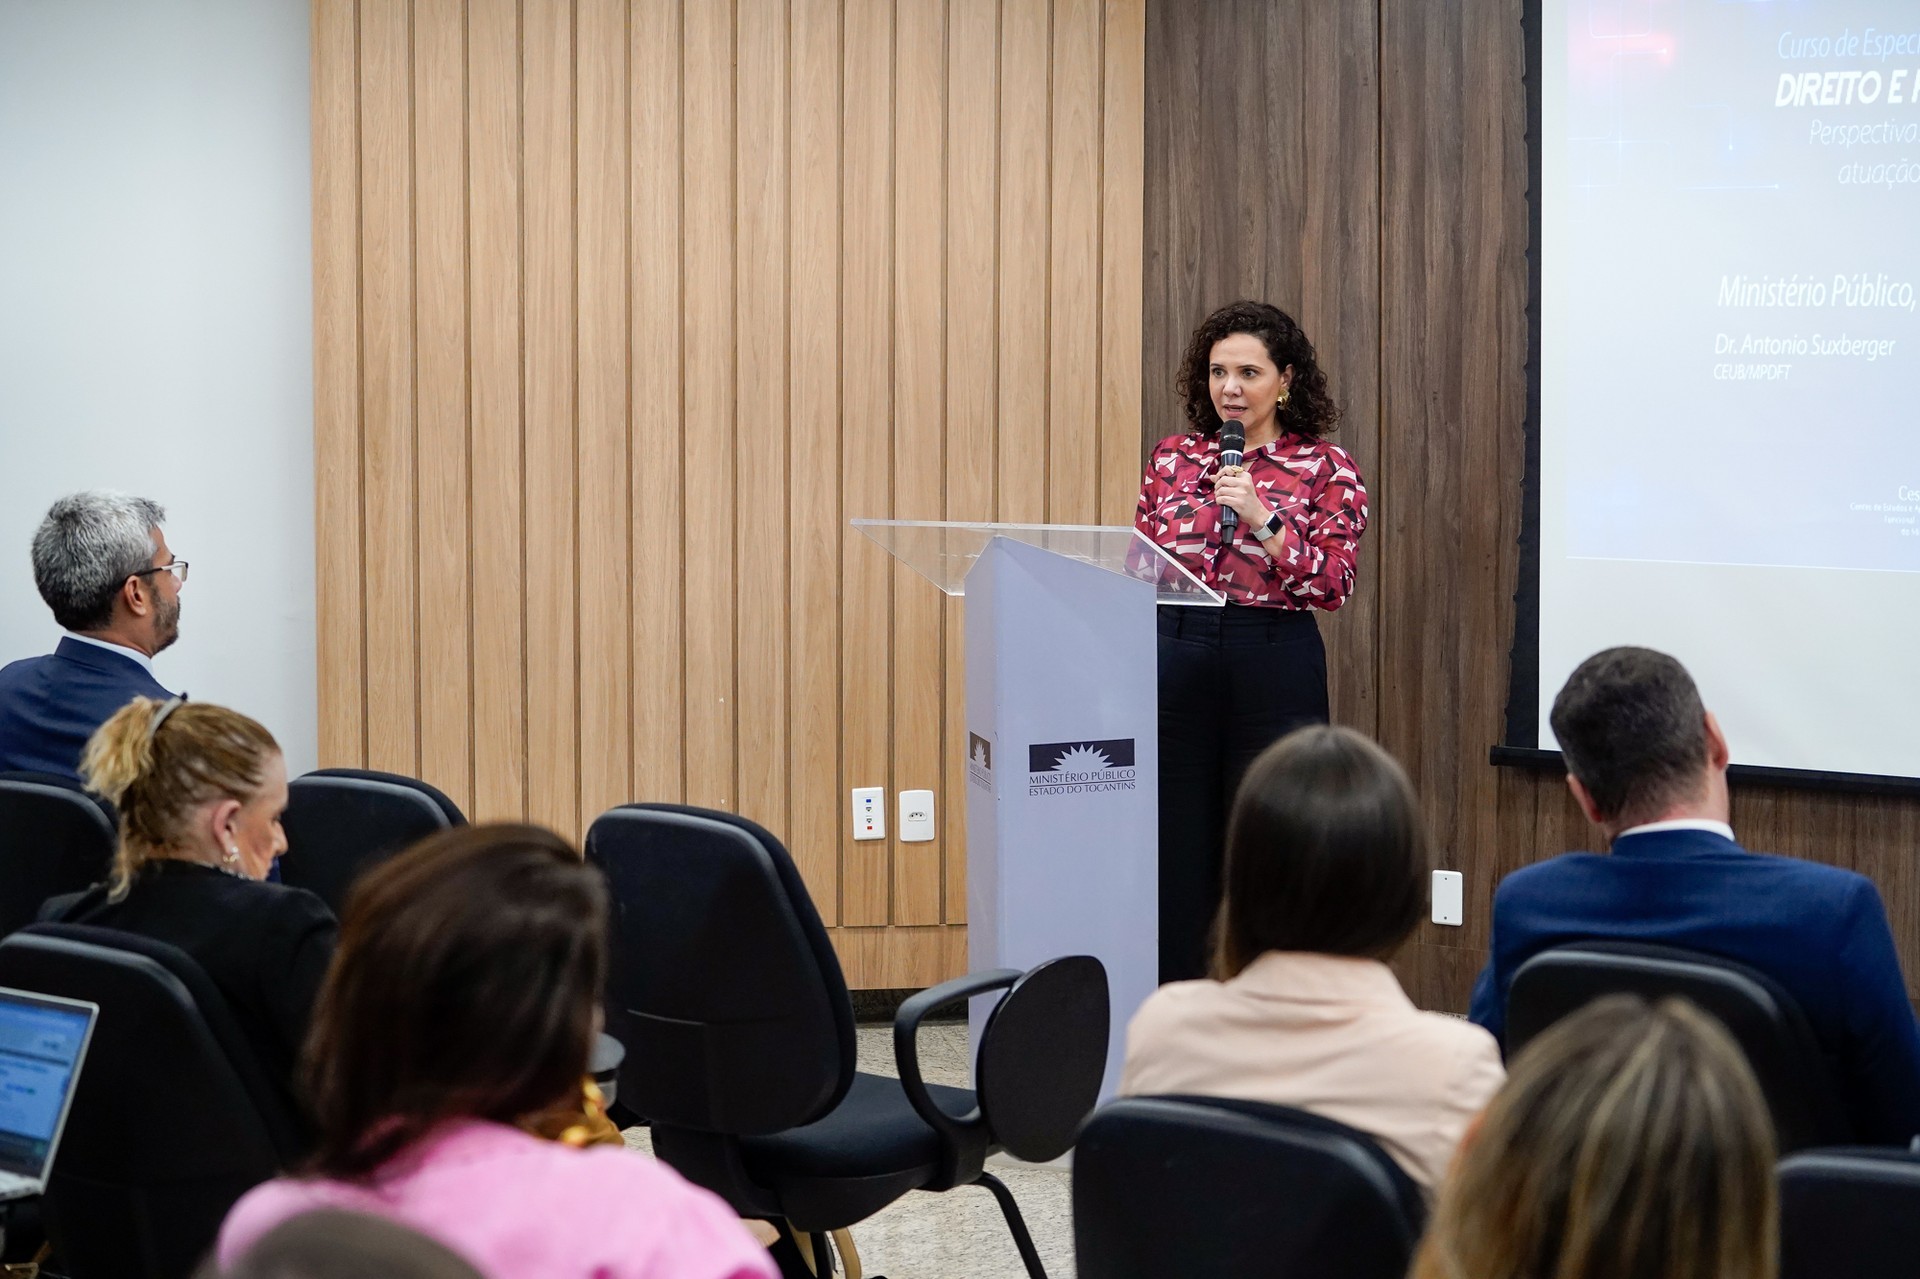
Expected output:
(178, 568)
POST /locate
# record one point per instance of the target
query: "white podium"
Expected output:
(1062, 741)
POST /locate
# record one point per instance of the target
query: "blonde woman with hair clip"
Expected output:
(1631, 1142)
(200, 790)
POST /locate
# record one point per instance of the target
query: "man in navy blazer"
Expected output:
(103, 566)
(1648, 765)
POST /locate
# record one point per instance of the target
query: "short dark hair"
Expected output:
(1633, 731)
(1326, 852)
(466, 985)
(1309, 410)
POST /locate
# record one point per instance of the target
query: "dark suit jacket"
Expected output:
(266, 946)
(1819, 931)
(50, 706)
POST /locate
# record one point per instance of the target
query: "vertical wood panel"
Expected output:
(493, 193)
(817, 522)
(1073, 345)
(1122, 212)
(657, 480)
(604, 469)
(708, 432)
(1025, 73)
(623, 308)
(973, 58)
(762, 462)
(440, 342)
(1446, 569)
(553, 735)
(866, 384)
(1340, 124)
(341, 622)
(387, 387)
(919, 431)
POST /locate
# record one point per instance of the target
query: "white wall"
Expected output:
(156, 329)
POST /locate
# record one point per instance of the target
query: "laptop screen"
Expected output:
(42, 1041)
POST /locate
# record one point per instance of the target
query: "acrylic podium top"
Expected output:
(943, 553)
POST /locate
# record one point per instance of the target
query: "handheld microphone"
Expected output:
(1233, 444)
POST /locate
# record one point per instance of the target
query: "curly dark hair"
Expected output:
(1309, 410)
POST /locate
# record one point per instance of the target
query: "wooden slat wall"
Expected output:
(1386, 205)
(623, 309)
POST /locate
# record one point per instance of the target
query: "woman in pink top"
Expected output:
(459, 1013)
(1326, 877)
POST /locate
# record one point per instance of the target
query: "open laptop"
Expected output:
(43, 1040)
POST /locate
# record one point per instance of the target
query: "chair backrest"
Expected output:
(341, 822)
(53, 839)
(1764, 1020)
(723, 986)
(1043, 1052)
(1208, 1188)
(1852, 1212)
(173, 1120)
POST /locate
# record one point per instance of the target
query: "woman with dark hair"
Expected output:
(1327, 871)
(456, 1020)
(1277, 535)
(1633, 1142)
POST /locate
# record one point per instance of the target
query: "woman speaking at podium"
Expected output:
(1276, 535)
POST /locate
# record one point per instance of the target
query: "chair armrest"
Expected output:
(906, 1044)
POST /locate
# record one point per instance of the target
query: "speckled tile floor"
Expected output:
(959, 1234)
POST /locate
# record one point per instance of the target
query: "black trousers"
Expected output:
(1233, 681)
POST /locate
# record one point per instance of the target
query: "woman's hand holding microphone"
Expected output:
(1234, 488)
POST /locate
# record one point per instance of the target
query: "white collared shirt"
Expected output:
(1681, 823)
(144, 660)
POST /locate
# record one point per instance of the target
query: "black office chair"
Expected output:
(1217, 1188)
(740, 1038)
(1849, 1211)
(54, 838)
(173, 1119)
(1764, 1020)
(343, 821)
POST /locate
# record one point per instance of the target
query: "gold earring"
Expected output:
(1282, 401)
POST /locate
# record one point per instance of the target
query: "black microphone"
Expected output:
(1233, 444)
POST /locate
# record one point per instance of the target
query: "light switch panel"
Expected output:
(870, 812)
(1449, 897)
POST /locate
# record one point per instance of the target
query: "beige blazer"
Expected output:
(1332, 1035)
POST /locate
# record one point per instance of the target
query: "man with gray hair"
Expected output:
(103, 567)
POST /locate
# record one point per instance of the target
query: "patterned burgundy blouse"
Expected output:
(1313, 484)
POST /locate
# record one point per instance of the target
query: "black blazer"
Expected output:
(265, 946)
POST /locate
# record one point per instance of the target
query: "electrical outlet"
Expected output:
(869, 812)
(1449, 897)
(916, 816)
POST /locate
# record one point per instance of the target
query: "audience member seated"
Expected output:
(1631, 1143)
(200, 790)
(1648, 765)
(344, 1245)
(1326, 876)
(460, 1013)
(103, 567)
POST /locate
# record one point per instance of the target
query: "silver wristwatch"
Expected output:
(1271, 528)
